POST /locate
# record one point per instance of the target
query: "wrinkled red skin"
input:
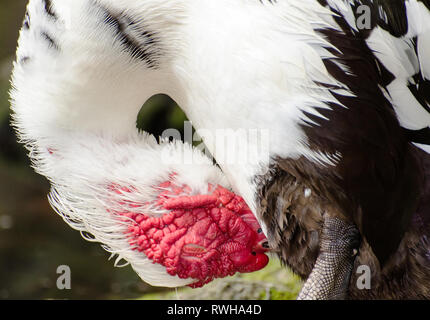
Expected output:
(203, 237)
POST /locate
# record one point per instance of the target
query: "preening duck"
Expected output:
(337, 91)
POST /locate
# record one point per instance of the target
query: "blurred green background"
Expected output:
(34, 240)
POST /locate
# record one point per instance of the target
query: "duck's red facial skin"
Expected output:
(202, 237)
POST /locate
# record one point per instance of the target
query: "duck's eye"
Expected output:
(259, 230)
(253, 253)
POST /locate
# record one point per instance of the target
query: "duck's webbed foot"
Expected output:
(330, 276)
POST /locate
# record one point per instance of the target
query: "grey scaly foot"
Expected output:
(330, 276)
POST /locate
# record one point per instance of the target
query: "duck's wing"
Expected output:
(381, 51)
(398, 34)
